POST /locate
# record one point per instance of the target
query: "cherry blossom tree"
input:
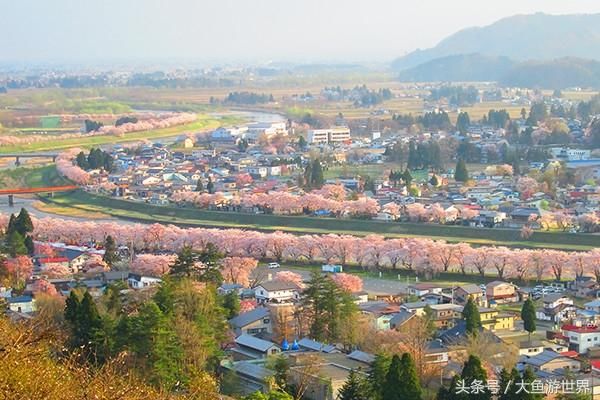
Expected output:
(238, 269)
(349, 283)
(19, 268)
(289, 276)
(43, 286)
(152, 264)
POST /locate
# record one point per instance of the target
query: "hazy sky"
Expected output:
(245, 30)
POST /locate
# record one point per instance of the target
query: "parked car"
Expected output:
(273, 265)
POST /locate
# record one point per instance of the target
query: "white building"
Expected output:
(337, 134)
(567, 154)
(137, 281)
(581, 338)
(276, 292)
(268, 129)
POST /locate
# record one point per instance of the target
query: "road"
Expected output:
(371, 285)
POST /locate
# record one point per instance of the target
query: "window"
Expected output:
(266, 321)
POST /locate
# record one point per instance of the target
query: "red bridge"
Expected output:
(47, 189)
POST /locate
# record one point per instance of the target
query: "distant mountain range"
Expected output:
(525, 50)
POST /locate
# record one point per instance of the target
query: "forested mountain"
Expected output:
(549, 74)
(521, 37)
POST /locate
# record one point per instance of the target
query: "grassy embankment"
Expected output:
(299, 224)
(204, 122)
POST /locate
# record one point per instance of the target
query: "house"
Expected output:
(137, 281)
(313, 345)
(593, 306)
(252, 375)
(421, 289)
(556, 308)
(437, 353)
(401, 320)
(21, 304)
(530, 348)
(251, 347)
(227, 288)
(582, 338)
(494, 320)
(381, 313)
(444, 316)
(501, 292)
(417, 307)
(472, 291)
(277, 292)
(549, 361)
(253, 322)
(115, 276)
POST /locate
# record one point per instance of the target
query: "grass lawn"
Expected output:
(298, 224)
(24, 177)
(204, 122)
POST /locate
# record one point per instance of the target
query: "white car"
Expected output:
(273, 265)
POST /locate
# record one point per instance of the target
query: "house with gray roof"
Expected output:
(251, 348)
(254, 322)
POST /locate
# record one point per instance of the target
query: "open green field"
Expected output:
(372, 170)
(31, 177)
(204, 122)
(144, 212)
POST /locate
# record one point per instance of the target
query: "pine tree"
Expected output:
(210, 186)
(185, 264)
(316, 179)
(12, 224)
(407, 177)
(528, 316)
(231, 303)
(460, 173)
(28, 242)
(377, 374)
(199, 186)
(24, 225)
(528, 378)
(473, 371)
(15, 244)
(393, 380)
(401, 381)
(411, 386)
(110, 251)
(354, 388)
(471, 317)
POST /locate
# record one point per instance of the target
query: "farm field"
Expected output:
(143, 212)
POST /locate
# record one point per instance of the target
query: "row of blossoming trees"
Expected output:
(156, 122)
(423, 256)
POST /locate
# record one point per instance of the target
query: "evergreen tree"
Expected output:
(401, 381)
(434, 181)
(463, 122)
(110, 251)
(407, 177)
(24, 225)
(528, 378)
(82, 161)
(413, 158)
(199, 186)
(528, 316)
(15, 244)
(85, 323)
(411, 386)
(316, 179)
(460, 173)
(231, 303)
(354, 388)
(185, 264)
(377, 374)
(12, 225)
(308, 175)
(28, 242)
(473, 371)
(165, 296)
(210, 186)
(471, 317)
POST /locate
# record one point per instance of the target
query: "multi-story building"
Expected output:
(338, 134)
